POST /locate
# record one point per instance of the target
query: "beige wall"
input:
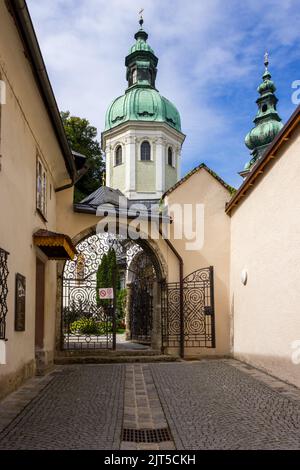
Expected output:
(25, 128)
(202, 188)
(265, 241)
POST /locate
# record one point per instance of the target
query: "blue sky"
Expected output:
(210, 63)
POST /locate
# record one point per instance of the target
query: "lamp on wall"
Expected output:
(244, 277)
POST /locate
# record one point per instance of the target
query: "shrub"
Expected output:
(86, 326)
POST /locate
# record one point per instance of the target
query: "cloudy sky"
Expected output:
(210, 63)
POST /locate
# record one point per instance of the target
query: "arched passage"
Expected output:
(84, 323)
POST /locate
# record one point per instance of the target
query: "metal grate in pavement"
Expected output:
(146, 435)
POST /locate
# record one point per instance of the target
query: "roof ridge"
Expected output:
(202, 165)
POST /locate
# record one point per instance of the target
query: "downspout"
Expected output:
(181, 309)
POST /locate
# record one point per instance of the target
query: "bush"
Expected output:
(88, 326)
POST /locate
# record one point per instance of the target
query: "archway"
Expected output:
(85, 324)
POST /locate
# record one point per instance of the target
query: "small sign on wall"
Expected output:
(20, 303)
(106, 293)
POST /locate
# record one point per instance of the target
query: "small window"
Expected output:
(118, 160)
(41, 188)
(134, 76)
(145, 152)
(170, 157)
(264, 108)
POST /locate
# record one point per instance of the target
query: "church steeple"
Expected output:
(267, 121)
(141, 62)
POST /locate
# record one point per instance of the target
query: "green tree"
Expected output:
(108, 275)
(82, 138)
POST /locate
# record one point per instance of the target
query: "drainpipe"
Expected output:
(181, 310)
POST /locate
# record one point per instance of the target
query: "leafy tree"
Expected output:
(82, 139)
(108, 275)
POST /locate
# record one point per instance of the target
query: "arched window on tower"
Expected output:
(145, 152)
(170, 157)
(118, 156)
(134, 76)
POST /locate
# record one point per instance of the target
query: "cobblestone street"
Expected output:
(210, 404)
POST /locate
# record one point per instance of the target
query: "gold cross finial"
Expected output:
(141, 17)
(266, 60)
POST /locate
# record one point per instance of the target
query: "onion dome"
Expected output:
(267, 121)
(141, 101)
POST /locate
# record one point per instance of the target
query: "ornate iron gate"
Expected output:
(199, 313)
(88, 325)
(141, 310)
(85, 325)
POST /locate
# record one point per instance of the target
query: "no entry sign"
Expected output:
(106, 293)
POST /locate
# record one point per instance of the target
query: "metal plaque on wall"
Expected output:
(20, 303)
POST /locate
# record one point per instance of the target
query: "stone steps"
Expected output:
(110, 352)
(114, 359)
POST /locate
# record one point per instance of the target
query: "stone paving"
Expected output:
(215, 405)
(142, 407)
(80, 408)
(208, 404)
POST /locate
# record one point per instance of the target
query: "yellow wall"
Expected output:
(202, 188)
(118, 176)
(145, 174)
(171, 175)
(265, 241)
(25, 127)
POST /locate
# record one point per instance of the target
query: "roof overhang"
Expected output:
(202, 166)
(108, 210)
(148, 125)
(21, 15)
(56, 246)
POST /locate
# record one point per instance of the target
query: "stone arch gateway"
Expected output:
(84, 323)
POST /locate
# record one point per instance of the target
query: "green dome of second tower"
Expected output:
(142, 101)
(267, 120)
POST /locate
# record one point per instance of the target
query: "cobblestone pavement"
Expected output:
(209, 404)
(214, 405)
(80, 408)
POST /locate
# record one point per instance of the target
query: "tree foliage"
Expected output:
(82, 138)
(108, 275)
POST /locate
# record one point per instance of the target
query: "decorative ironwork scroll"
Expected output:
(85, 323)
(198, 305)
(3, 291)
(141, 311)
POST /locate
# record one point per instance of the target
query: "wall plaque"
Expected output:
(20, 303)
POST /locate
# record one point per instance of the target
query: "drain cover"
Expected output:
(146, 435)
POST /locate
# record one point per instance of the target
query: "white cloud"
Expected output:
(206, 49)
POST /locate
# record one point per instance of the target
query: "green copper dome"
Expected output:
(141, 45)
(263, 134)
(142, 104)
(141, 101)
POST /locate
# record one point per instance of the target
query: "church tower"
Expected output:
(267, 121)
(142, 137)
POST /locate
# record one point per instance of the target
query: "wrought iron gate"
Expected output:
(198, 309)
(141, 310)
(85, 324)
(88, 325)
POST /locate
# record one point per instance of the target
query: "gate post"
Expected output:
(114, 324)
(212, 304)
(156, 336)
